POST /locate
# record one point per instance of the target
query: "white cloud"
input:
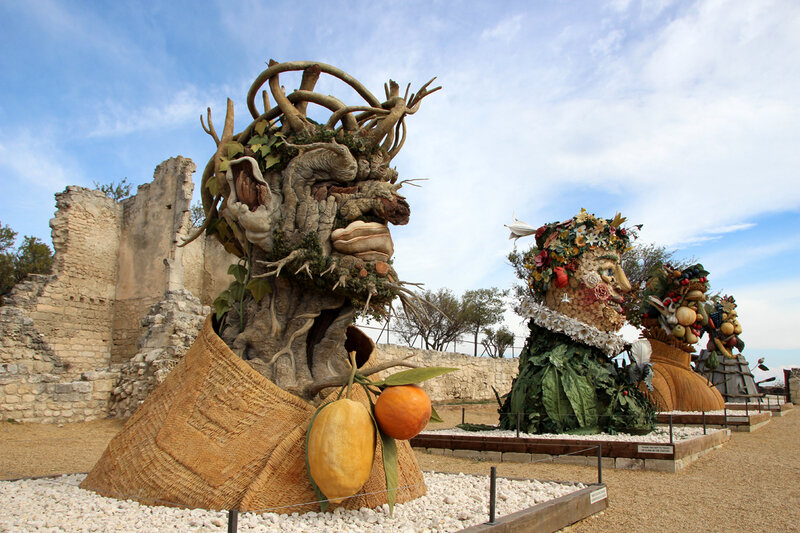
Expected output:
(114, 119)
(36, 164)
(768, 313)
(505, 30)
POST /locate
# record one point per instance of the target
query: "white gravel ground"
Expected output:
(660, 434)
(453, 502)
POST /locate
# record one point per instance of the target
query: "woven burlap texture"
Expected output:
(216, 434)
(676, 386)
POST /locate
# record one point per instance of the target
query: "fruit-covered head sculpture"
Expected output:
(723, 326)
(306, 208)
(674, 309)
(575, 268)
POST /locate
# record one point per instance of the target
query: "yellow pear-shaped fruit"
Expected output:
(726, 328)
(686, 316)
(679, 331)
(341, 448)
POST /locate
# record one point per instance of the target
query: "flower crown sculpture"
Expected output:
(575, 267)
(576, 287)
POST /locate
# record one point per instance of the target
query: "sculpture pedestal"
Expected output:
(676, 386)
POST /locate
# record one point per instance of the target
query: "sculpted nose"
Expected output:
(621, 279)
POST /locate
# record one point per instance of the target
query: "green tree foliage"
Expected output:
(480, 309)
(496, 342)
(442, 325)
(32, 257)
(7, 278)
(640, 263)
(115, 191)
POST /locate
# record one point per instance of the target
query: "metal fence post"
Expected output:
(704, 422)
(233, 520)
(726, 416)
(519, 422)
(746, 407)
(599, 463)
(492, 493)
(463, 414)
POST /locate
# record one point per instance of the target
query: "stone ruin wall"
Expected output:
(64, 336)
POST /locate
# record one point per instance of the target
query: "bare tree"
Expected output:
(440, 324)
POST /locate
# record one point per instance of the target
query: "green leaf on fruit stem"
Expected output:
(390, 468)
(261, 125)
(415, 375)
(323, 500)
(435, 416)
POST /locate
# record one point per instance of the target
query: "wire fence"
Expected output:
(386, 335)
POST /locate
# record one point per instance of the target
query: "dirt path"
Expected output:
(750, 484)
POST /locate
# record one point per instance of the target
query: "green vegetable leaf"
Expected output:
(255, 147)
(258, 287)
(581, 395)
(239, 272)
(323, 500)
(435, 416)
(554, 399)
(414, 376)
(260, 126)
(224, 164)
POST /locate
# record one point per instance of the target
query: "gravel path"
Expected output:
(750, 484)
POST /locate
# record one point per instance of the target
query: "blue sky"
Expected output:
(682, 115)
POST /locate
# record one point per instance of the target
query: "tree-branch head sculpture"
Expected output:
(312, 201)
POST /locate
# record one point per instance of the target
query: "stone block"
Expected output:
(433, 451)
(516, 457)
(660, 465)
(63, 388)
(492, 456)
(628, 463)
(83, 386)
(572, 460)
(467, 454)
(541, 458)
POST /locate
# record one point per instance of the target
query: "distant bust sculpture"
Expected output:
(567, 380)
(675, 316)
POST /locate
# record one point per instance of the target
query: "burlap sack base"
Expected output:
(676, 387)
(216, 434)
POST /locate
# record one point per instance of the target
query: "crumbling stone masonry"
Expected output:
(65, 336)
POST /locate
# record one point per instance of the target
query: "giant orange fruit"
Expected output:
(402, 411)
